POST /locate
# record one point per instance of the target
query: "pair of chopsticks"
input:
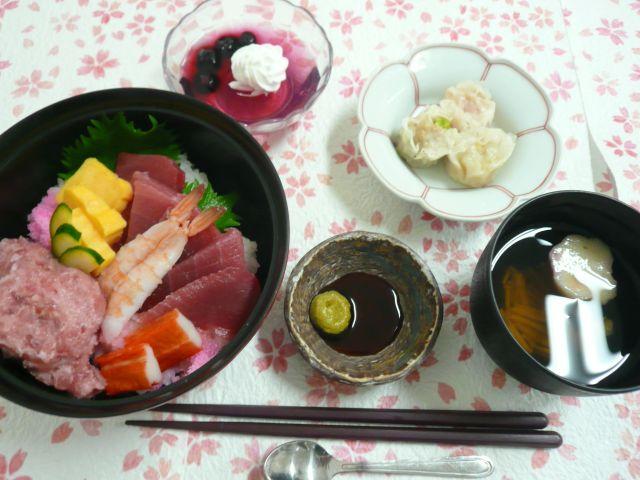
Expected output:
(512, 429)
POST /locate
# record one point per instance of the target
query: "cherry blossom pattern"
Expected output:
(61, 433)
(346, 226)
(351, 84)
(635, 73)
(324, 390)
(264, 8)
(66, 21)
(171, 6)
(529, 44)
(456, 304)
(450, 254)
(482, 15)
(157, 437)
(413, 38)
(141, 25)
(251, 464)
(629, 453)
(299, 151)
(541, 17)
(344, 21)
(131, 460)
(32, 85)
(275, 352)
(398, 8)
(353, 451)
(11, 470)
(200, 443)
(6, 5)
(305, 122)
(429, 361)
(558, 88)
(622, 147)
(454, 28)
(108, 10)
(513, 21)
(606, 184)
(629, 121)
(4, 64)
(299, 189)
(97, 65)
(491, 43)
(630, 409)
(606, 85)
(350, 157)
(614, 29)
(163, 471)
(437, 224)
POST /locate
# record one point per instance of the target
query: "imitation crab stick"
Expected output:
(130, 368)
(172, 337)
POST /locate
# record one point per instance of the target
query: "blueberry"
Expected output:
(226, 46)
(246, 38)
(209, 60)
(207, 82)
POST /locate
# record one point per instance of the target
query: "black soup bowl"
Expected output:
(30, 153)
(613, 222)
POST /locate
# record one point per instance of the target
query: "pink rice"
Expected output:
(40, 217)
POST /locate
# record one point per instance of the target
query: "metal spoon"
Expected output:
(306, 460)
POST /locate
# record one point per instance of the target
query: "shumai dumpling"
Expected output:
(473, 103)
(427, 137)
(478, 154)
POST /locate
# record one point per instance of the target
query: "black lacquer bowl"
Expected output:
(615, 223)
(30, 155)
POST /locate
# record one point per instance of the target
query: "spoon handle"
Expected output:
(461, 467)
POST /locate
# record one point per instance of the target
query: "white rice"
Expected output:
(191, 173)
(250, 247)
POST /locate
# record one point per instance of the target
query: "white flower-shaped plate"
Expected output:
(398, 89)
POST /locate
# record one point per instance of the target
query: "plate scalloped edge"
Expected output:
(421, 198)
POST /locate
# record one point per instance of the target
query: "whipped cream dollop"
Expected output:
(258, 69)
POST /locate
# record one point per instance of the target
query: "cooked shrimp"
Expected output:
(140, 265)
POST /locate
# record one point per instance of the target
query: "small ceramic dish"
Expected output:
(293, 27)
(400, 89)
(389, 259)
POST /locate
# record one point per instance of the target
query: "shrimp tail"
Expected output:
(205, 219)
(184, 207)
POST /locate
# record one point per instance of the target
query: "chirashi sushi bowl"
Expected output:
(176, 228)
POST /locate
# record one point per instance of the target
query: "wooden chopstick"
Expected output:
(459, 436)
(425, 418)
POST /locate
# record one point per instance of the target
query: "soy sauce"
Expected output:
(376, 315)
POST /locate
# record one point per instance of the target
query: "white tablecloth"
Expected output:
(576, 49)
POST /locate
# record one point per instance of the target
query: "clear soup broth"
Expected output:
(581, 340)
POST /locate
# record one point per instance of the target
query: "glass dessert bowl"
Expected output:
(262, 63)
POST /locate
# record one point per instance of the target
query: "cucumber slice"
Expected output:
(61, 215)
(82, 258)
(66, 237)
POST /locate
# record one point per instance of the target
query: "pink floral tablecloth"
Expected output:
(587, 56)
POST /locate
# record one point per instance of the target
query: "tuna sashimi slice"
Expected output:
(159, 167)
(226, 250)
(151, 200)
(220, 300)
(200, 241)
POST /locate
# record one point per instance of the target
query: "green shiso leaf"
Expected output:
(212, 199)
(108, 136)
